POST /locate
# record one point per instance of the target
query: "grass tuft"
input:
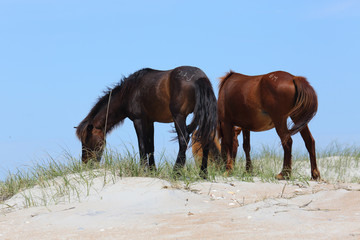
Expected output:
(67, 179)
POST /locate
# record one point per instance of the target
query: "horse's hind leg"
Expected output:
(204, 163)
(183, 138)
(246, 147)
(310, 146)
(286, 141)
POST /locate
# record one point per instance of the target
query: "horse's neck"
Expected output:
(111, 114)
(113, 120)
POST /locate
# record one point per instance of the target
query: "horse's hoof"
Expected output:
(176, 173)
(227, 173)
(249, 168)
(203, 175)
(279, 177)
(229, 168)
(282, 176)
(249, 171)
(315, 175)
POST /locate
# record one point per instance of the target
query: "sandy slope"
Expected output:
(147, 208)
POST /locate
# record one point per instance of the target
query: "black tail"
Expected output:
(205, 113)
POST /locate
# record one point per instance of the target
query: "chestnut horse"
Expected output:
(214, 148)
(149, 96)
(260, 103)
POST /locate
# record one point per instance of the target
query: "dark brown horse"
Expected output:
(260, 103)
(149, 96)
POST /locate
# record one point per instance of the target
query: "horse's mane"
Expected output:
(125, 86)
(224, 78)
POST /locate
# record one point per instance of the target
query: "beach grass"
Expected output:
(67, 178)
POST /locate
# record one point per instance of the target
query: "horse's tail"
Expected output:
(305, 106)
(205, 113)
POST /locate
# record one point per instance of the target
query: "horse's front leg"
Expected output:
(227, 151)
(246, 147)
(286, 141)
(150, 145)
(142, 141)
(183, 138)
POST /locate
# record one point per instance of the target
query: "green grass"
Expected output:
(67, 178)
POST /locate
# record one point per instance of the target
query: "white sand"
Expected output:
(147, 208)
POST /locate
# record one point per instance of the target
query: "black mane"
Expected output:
(126, 85)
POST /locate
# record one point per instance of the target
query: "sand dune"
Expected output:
(148, 208)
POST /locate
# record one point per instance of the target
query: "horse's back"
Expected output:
(239, 101)
(153, 97)
(186, 74)
(161, 90)
(252, 89)
(238, 89)
(250, 101)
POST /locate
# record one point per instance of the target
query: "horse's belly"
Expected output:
(160, 114)
(263, 123)
(264, 127)
(258, 123)
(164, 117)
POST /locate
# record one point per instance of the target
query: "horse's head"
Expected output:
(93, 142)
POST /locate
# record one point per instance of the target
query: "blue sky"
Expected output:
(56, 58)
